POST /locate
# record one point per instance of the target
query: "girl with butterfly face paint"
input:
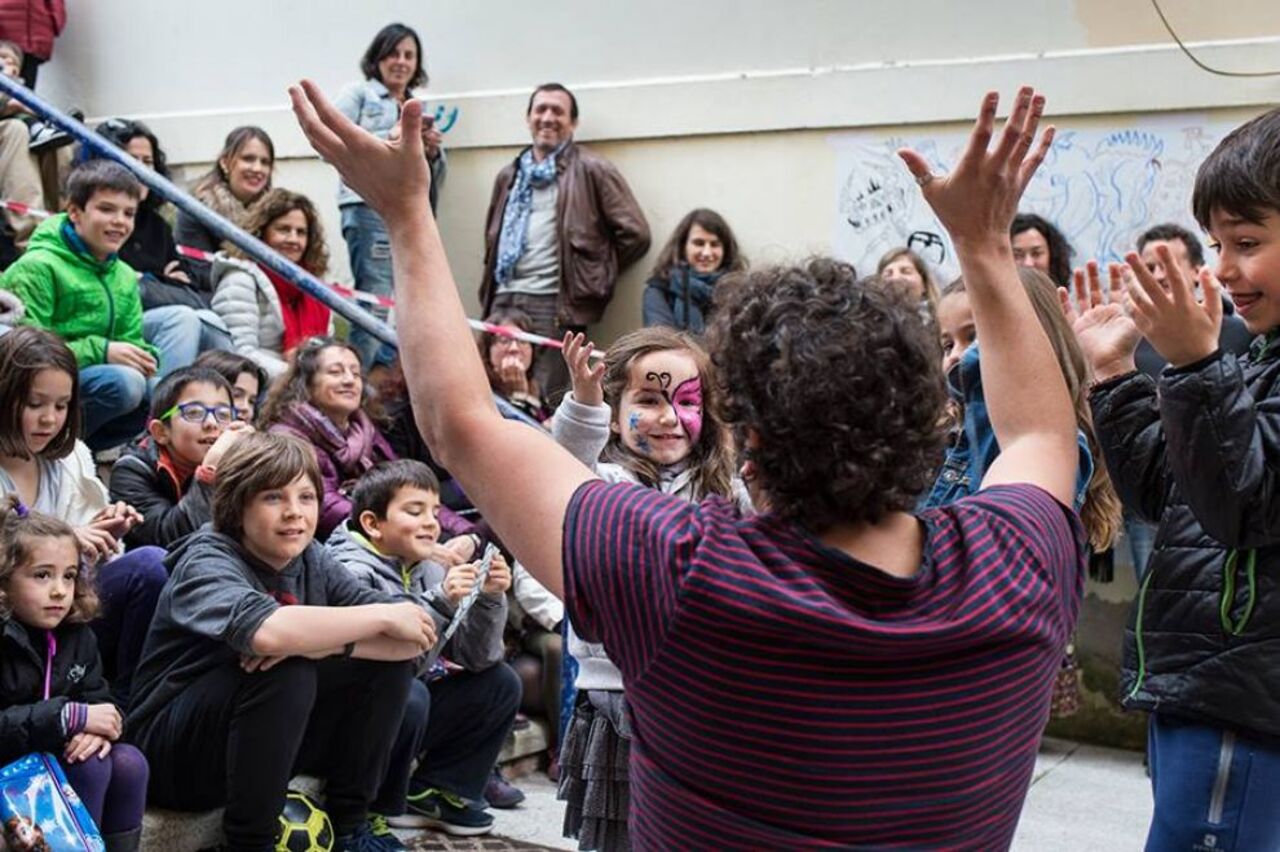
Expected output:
(646, 414)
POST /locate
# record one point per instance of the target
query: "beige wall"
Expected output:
(725, 103)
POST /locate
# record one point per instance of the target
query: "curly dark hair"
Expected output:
(294, 386)
(1060, 250)
(281, 202)
(841, 386)
(17, 531)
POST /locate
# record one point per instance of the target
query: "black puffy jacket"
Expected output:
(28, 722)
(1202, 459)
(170, 510)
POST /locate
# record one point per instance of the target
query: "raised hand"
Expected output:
(1107, 335)
(1181, 329)
(978, 199)
(230, 434)
(390, 175)
(588, 386)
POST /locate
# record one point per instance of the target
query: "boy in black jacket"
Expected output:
(1196, 451)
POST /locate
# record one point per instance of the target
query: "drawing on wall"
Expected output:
(1102, 187)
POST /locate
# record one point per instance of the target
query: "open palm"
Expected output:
(1106, 334)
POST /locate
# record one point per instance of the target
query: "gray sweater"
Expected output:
(216, 599)
(478, 643)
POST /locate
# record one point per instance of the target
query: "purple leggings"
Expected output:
(114, 788)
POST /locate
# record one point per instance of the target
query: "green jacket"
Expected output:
(68, 291)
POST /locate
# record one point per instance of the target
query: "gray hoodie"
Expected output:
(216, 599)
(478, 643)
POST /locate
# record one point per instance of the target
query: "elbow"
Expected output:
(267, 641)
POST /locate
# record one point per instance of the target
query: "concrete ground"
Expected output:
(1081, 797)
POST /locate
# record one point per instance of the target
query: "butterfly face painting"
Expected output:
(660, 413)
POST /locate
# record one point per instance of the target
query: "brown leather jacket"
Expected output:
(602, 231)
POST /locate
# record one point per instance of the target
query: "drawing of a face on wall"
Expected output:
(869, 204)
(928, 245)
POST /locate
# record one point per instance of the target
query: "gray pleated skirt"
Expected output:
(594, 759)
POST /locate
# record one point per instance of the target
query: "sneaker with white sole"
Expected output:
(440, 809)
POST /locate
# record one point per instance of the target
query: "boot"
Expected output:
(124, 841)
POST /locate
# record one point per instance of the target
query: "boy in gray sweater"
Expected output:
(461, 709)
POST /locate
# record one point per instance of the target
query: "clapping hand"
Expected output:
(1180, 328)
(1107, 335)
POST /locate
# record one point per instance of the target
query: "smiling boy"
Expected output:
(167, 476)
(1198, 457)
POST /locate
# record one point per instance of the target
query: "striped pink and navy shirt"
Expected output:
(785, 695)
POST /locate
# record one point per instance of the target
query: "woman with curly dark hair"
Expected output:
(267, 316)
(1039, 244)
(835, 670)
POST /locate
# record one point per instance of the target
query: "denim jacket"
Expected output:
(372, 106)
(976, 448)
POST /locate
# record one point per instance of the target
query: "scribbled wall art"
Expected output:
(1103, 187)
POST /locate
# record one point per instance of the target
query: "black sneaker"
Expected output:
(47, 137)
(501, 793)
(372, 836)
(445, 811)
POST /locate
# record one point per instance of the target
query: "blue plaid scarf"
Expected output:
(515, 219)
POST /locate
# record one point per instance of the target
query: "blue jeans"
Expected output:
(128, 587)
(113, 404)
(369, 249)
(1214, 789)
(181, 333)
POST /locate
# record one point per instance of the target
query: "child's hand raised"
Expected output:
(499, 579)
(1107, 336)
(1181, 329)
(977, 200)
(233, 432)
(588, 380)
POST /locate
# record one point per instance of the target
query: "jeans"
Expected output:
(128, 587)
(369, 249)
(1214, 789)
(113, 404)
(181, 333)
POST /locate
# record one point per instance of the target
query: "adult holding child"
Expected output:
(241, 174)
(835, 577)
(393, 67)
(268, 317)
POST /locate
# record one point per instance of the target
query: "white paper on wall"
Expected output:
(1101, 187)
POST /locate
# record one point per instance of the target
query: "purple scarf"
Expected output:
(354, 452)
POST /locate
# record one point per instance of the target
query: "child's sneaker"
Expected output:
(373, 835)
(440, 809)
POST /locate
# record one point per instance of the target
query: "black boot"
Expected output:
(124, 841)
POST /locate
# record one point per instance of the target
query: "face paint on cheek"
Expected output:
(687, 402)
(642, 443)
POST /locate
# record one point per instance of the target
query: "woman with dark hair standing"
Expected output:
(1038, 244)
(701, 249)
(239, 177)
(392, 68)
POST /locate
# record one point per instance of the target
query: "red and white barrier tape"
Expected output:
(354, 295)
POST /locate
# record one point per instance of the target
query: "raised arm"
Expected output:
(517, 476)
(1027, 397)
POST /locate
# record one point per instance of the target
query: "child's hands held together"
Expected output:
(1107, 335)
(85, 745)
(104, 721)
(117, 519)
(499, 579)
(96, 543)
(588, 380)
(409, 622)
(1180, 328)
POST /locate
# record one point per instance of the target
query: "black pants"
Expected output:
(235, 739)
